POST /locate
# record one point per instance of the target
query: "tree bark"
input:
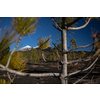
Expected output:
(64, 66)
(13, 51)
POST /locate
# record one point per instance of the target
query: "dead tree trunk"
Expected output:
(64, 66)
(64, 55)
(64, 27)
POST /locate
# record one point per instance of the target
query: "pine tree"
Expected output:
(8, 37)
(65, 24)
(23, 26)
(43, 44)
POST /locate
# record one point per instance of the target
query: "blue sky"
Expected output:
(45, 28)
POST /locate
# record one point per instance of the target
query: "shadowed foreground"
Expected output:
(92, 78)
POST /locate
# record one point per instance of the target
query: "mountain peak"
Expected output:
(26, 47)
(29, 47)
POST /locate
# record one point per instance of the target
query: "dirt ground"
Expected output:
(92, 78)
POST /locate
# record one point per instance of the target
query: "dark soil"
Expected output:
(53, 68)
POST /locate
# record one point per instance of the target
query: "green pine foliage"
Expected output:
(68, 20)
(70, 55)
(72, 44)
(16, 62)
(83, 53)
(7, 38)
(3, 61)
(4, 52)
(44, 42)
(24, 25)
(59, 46)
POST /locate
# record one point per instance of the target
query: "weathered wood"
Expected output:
(83, 76)
(54, 20)
(77, 28)
(13, 51)
(64, 66)
(73, 73)
(83, 46)
(28, 74)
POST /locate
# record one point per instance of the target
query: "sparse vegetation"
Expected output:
(33, 56)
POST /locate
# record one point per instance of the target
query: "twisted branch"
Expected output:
(54, 20)
(77, 28)
(74, 21)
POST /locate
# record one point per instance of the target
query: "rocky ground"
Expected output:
(92, 78)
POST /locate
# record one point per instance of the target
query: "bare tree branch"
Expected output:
(57, 54)
(84, 59)
(13, 51)
(10, 77)
(77, 28)
(57, 28)
(83, 46)
(29, 74)
(54, 20)
(70, 74)
(43, 57)
(54, 45)
(84, 76)
(58, 59)
(57, 50)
